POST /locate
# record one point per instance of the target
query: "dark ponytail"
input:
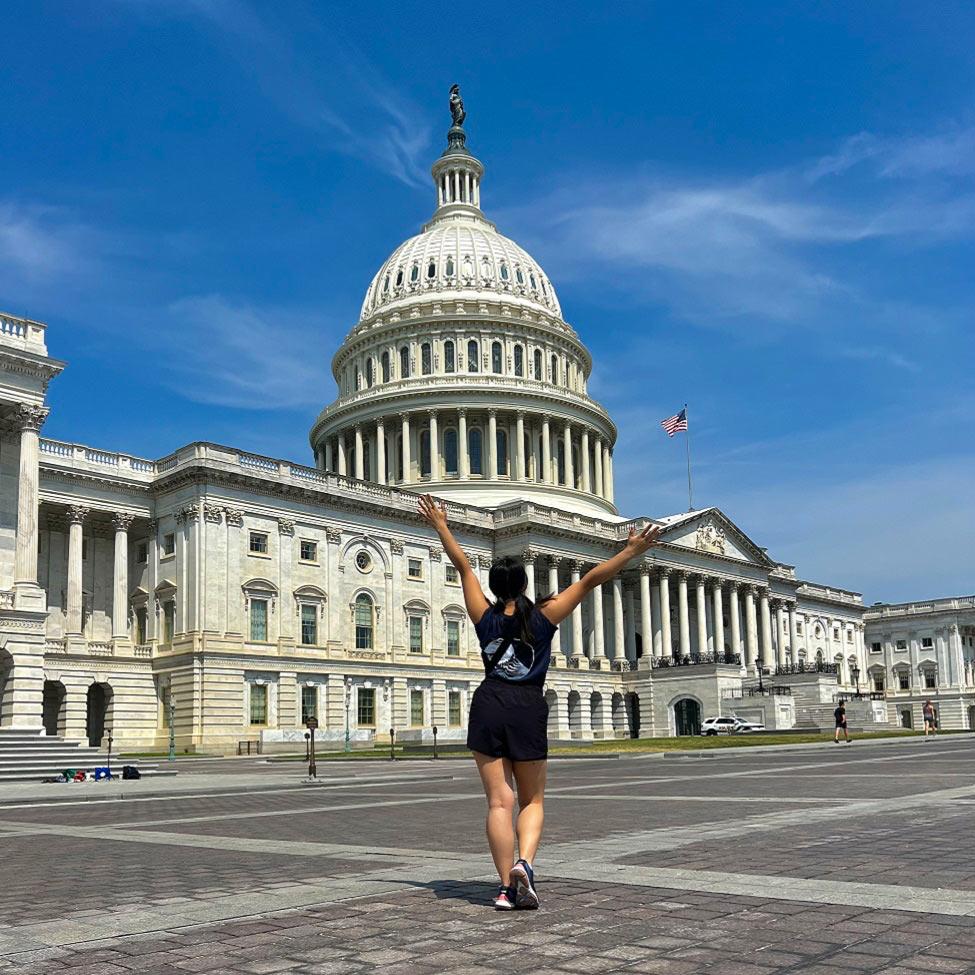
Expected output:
(508, 580)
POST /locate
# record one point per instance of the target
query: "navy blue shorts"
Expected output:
(508, 721)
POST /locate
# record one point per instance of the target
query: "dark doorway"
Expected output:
(687, 715)
(53, 706)
(633, 713)
(99, 697)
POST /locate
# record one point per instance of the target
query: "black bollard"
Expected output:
(109, 754)
(392, 742)
(435, 741)
(312, 770)
(307, 739)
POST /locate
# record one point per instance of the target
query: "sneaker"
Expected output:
(505, 899)
(523, 877)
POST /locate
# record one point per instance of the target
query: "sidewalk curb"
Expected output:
(735, 751)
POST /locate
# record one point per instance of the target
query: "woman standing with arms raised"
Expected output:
(508, 723)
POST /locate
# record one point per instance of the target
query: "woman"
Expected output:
(508, 723)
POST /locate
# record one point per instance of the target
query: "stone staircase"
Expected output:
(819, 716)
(27, 755)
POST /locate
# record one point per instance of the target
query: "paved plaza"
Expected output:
(830, 859)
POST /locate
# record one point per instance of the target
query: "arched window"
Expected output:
(426, 359)
(519, 361)
(450, 450)
(472, 356)
(540, 473)
(404, 362)
(502, 451)
(519, 277)
(531, 278)
(528, 456)
(398, 458)
(555, 368)
(504, 272)
(432, 270)
(496, 357)
(544, 289)
(576, 469)
(415, 273)
(560, 461)
(399, 278)
(449, 267)
(385, 367)
(363, 622)
(487, 271)
(424, 453)
(538, 364)
(474, 450)
(367, 460)
(358, 378)
(386, 284)
(370, 372)
(449, 362)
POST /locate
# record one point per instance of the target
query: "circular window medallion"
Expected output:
(363, 561)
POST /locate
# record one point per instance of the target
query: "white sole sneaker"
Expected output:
(525, 899)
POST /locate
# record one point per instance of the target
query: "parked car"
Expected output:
(722, 726)
(748, 726)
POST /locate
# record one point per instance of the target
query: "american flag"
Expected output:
(674, 424)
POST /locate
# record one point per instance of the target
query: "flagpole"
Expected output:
(687, 442)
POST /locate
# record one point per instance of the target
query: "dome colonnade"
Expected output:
(461, 372)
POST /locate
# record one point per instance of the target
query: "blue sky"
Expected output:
(765, 210)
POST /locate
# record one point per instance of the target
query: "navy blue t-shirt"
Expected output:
(522, 663)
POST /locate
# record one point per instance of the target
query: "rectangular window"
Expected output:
(142, 553)
(836, 633)
(798, 627)
(309, 551)
(416, 634)
(164, 699)
(929, 678)
(84, 550)
(849, 636)
(927, 642)
(169, 544)
(901, 644)
(453, 709)
(453, 638)
(366, 707)
(259, 620)
(141, 616)
(258, 703)
(878, 682)
(414, 568)
(309, 625)
(452, 575)
(416, 708)
(904, 680)
(169, 621)
(309, 703)
(258, 543)
(876, 648)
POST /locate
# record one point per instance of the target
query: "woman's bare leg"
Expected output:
(496, 778)
(530, 777)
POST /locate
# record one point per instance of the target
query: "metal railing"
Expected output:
(695, 659)
(805, 668)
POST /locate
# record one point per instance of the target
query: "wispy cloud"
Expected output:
(43, 243)
(247, 357)
(338, 93)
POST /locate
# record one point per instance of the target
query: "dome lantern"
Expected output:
(457, 174)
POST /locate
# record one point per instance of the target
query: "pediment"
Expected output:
(713, 533)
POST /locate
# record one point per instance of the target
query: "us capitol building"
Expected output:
(239, 595)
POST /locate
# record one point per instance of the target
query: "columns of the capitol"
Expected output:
(491, 453)
(767, 652)
(717, 616)
(359, 465)
(666, 639)
(380, 451)
(608, 475)
(30, 419)
(619, 634)
(629, 616)
(570, 480)
(120, 595)
(578, 650)
(734, 615)
(546, 452)
(598, 466)
(434, 447)
(646, 615)
(528, 557)
(751, 628)
(76, 519)
(780, 632)
(682, 614)
(553, 587)
(328, 454)
(520, 471)
(407, 472)
(598, 636)
(463, 466)
(341, 445)
(584, 460)
(793, 634)
(702, 616)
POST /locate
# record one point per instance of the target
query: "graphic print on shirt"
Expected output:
(515, 662)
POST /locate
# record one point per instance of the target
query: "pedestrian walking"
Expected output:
(508, 723)
(839, 716)
(930, 719)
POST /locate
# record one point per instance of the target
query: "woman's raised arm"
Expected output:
(474, 598)
(560, 607)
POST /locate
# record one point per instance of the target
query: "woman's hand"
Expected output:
(639, 542)
(434, 514)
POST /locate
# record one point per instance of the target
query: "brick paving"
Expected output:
(391, 876)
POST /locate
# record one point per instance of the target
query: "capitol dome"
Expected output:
(461, 377)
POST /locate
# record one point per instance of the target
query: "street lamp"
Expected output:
(172, 728)
(109, 764)
(348, 699)
(855, 673)
(761, 669)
